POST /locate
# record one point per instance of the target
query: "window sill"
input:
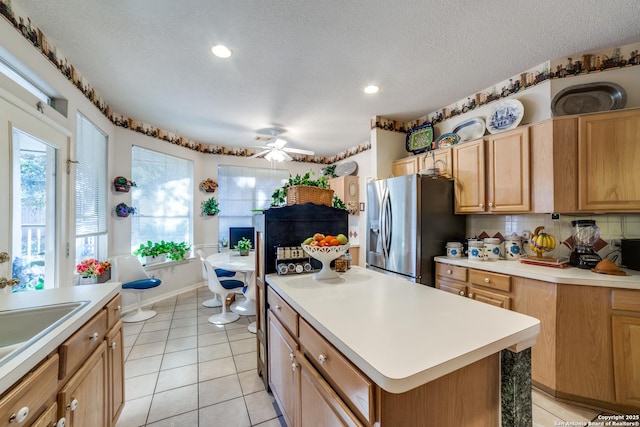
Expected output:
(166, 264)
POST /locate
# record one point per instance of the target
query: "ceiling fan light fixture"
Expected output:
(371, 89)
(275, 156)
(221, 51)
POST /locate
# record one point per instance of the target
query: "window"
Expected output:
(242, 190)
(91, 192)
(163, 197)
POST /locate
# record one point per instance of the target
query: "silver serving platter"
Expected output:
(589, 98)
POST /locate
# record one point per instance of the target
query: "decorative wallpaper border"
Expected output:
(36, 37)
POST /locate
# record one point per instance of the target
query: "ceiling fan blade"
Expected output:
(260, 154)
(279, 143)
(298, 151)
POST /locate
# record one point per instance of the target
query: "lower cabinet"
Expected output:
(83, 400)
(49, 418)
(625, 326)
(489, 288)
(115, 376)
(283, 376)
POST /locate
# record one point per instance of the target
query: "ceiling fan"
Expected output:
(274, 149)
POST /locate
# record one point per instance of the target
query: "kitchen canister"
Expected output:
(513, 248)
(476, 250)
(492, 249)
(454, 249)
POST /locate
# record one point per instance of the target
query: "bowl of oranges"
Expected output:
(325, 248)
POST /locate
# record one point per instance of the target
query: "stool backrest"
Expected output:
(127, 268)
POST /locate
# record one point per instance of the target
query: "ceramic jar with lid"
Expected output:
(454, 249)
(476, 250)
(513, 248)
(492, 249)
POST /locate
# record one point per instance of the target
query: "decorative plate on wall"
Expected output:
(589, 98)
(471, 129)
(447, 140)
(506, 115)
(419, 139)
(346, 168)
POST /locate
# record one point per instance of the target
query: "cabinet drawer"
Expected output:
(35, 391)
(351, 384)
(623, 299)
(283, 311)
(451, 287)
(80, 345)
(114, 308)
(49, 418)
(451, 271)
(490, 280)
(490, 298)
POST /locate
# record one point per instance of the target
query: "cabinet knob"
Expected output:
(461, 293)
(118, 308)
(113, 345)
(449, 271)
(322, 358)
(481, 205)
(94, 337)
(470, 295)
(291, 357)
(61, 422)
(277, 307)
(490, 204)
(486, 280)
(294, 366)
(73, 405)
(19, 416)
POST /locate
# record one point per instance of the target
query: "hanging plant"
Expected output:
(122, 210)
(210, 207)
(122, 184)
(208, 185)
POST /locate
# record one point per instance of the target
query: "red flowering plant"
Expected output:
(92, 267)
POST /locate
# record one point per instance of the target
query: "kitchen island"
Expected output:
(430, 358)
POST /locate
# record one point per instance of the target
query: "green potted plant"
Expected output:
(243, 246)
(210, 207)
(122, 184)
(280, 196)
(177, 251)
(152, 253)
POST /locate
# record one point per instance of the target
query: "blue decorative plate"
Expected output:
(506, 115)
(419, 139)
(471, 129)
(447, 140)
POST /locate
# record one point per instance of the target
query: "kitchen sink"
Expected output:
(21, 328)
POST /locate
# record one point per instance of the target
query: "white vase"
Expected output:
(148, 260)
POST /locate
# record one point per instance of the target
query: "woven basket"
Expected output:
(299, 194)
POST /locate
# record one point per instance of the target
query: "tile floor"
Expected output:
(182, 371)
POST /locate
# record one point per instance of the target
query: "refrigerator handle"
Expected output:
(385, 224)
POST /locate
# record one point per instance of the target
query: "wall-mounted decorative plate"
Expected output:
(419, 139)
(506, 115)
(589, 98)
(471, 129)
(447, 140)
(346, 168)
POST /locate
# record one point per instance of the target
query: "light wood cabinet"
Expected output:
(49, 418)
(608, 158)
(83, 400)
(347, 189)
(115, 378)
(406, 166)
(283, 374)
(469, 175)
(625, 324)
(483, 286)
(261, 307)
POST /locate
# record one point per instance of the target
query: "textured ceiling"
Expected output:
(302, 64)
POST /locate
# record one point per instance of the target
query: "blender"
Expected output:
(585, 235)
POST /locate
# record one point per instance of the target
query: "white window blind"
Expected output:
(163, 197)
(91, 180)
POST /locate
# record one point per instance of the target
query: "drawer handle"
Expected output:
(114, 345)
(486, 280)
(322, 358)
(94, 337)
(449, 271)
(470, 295)
(73, 405)
(61, 422)
(461, 293)
(19, 416)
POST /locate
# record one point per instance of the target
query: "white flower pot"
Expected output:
(148, 260)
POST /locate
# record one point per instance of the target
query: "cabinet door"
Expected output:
(347, 189)
(469, 170)
(626, 359)
(49, 418)
(452, 287)
(83, 400)
(319, 404)
(488, 297)
(115, 360)
(261, 309)
(406, 166)
(608, 159)
(442, 158)
(508, 171)
(283, 374)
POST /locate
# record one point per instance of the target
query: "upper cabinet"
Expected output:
(347, 189)
(608, 159)
(406, 166)
(440, 158)
(493, 174)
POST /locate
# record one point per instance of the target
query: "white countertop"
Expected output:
(97, 295)
(567, 275)
(402, 334)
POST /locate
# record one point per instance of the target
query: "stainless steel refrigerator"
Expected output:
(409, 221)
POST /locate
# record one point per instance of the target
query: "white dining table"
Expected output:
(233, 261)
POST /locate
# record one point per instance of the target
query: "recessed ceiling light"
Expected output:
(371, 89)
(221, 51)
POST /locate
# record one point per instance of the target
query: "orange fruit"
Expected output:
(318, 236)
